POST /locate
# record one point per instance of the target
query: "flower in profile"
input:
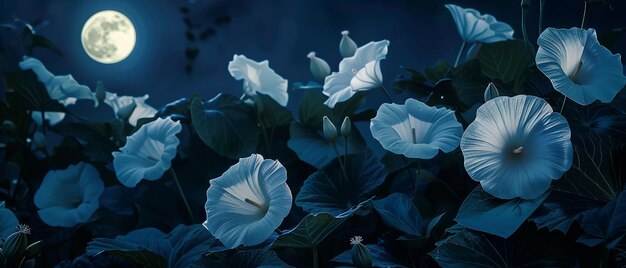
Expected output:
(248, 202)
(516, 146)
(474, 27)
(62, 88)
(360, 72)
(133, 108)
(579, 66)
(415, 129)
(8, 221)
(148, 153)
(259, 77)
(70, 196)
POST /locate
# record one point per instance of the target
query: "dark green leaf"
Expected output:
(29, 93)
(399, 212)
(313, 229)
(486, 213)
(592, 174)
(438, 72)
(312, 109)
(469, 83)
(410, 80)
(256, 258)
(312, 148)
(188, 244)
(606, 225)
(329, 191)
(380, 257)
(272, 113)
(224, 125)
(42, 41)
(560, 210)
(147, 247)
(469, 248)
(507, 61)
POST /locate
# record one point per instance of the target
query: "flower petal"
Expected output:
(259, 77)
(579, 66)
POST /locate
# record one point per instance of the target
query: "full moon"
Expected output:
(108, 37)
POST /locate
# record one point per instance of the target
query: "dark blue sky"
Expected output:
(283, 32)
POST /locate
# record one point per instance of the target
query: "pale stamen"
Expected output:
(414, 136)
(251, 202)
(519, 150)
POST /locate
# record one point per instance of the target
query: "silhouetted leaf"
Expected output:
(592, 174)
(506, 60)
(469, 248)
(486, 213)
(329, 191)
(312, 109)
(410, 80)
(560, 210)
(438, 72)
(380, 257)
(312, 148)
(606, 225)
(223, 124)
(399, 212)
(256, 258)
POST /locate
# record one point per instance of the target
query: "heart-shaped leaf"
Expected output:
(225, 126)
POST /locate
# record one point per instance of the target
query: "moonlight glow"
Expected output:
(108, 37)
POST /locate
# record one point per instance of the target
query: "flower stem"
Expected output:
(182, 195)
(458, 57)
(563, 105)
(315, 257)
(387, 94)
(345, 156)
(265, 137)
(343, 166)
(582, 24)
(417, 175)
(525, 7)
(541, 5)
(604, 257)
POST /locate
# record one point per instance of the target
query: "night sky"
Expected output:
(421, 32)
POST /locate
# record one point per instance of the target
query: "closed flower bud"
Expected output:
(8, 127)
(15, 245)
(39, 141)
(346, 127)
(491, 92)
(101, 93)
(347, 46)
(319, 67)
(330, 131)
(126, 111)
(361, 256)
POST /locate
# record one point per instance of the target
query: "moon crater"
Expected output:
(108, 37)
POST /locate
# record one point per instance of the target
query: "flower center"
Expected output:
(518, 150)
(254, 203)
(574, 76)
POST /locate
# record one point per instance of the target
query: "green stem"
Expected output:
(345, 156)
(524, 32)
(343, 167)
(182, 195)
(541, 5)
(387, 94)
(604, 257)
(315, 257)
(582, 24)
(458, 56)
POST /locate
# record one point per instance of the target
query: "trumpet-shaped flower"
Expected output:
(248, 202)
(579, 66)
(121, 103)
(8, 221)
(259, 77)
(516, 146)
(62, 88)
(70, 196)
(415, 129)
(360, 72)
(148, 153)
(474, 27)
